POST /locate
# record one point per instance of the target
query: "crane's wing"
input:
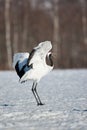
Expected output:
(34, 58)
(31, 57)
(20, 63)
(21, 58)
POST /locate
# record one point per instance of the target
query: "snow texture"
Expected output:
(64, 93)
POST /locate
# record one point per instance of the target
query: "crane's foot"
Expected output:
(40, 103)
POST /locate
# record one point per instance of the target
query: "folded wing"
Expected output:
(21, 58)
(20, 63)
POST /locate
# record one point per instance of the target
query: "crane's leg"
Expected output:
(34, 90)
(40, 103)
(33, 87)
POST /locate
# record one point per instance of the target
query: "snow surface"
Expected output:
(64, 93)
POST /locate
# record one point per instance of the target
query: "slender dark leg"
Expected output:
(40, 103)
(34, 93)
(34, 90)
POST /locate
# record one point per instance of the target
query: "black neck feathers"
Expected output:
(49, 60)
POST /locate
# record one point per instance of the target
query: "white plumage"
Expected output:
(33, 66)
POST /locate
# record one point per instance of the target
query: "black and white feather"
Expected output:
(33, 66)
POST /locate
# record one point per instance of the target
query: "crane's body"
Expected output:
(33, 66)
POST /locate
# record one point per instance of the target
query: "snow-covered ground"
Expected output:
(64, 93)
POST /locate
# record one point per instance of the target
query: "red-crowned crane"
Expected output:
(33, 66)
